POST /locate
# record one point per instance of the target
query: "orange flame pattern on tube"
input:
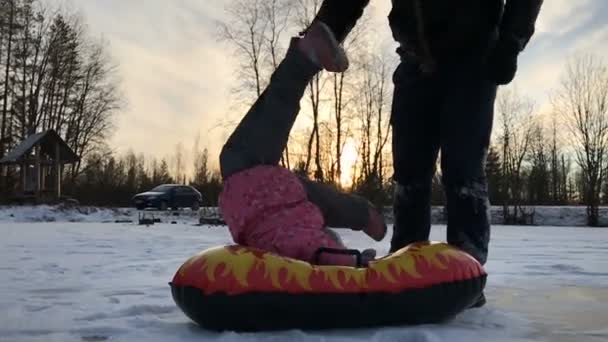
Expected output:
(236, 270)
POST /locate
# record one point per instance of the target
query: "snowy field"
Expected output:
(558, 216)
(91, 281)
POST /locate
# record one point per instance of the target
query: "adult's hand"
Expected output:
(502, 61)
(516, 28)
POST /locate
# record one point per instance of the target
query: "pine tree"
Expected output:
(494, 176)
(201, 169)
(163, 174)
(540, 177)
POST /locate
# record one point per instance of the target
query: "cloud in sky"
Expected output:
(176, 76)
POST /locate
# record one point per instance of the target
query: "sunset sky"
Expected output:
(176, 76)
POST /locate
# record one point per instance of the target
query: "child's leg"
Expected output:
(262, 135)
(342, 210)
(339, 209)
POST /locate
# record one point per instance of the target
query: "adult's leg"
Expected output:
(415, 122)
(262, 134)
(466, 126)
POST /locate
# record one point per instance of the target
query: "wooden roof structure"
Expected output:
(40, 159)
(48, 142)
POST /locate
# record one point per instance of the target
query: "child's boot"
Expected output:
(341, 16)
(321, 46)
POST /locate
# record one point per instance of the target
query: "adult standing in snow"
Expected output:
(454, 55)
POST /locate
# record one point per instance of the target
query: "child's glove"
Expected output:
(376, 226)
(367, 256)
(502, 62)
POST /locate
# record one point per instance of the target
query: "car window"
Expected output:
(183, 190)
(162, 188)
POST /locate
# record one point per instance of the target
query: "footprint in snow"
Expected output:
(94, 338)
(136, 310)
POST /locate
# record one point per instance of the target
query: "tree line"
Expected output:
(112, 180)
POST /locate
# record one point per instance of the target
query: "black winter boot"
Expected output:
(468, 218)
(412, 210)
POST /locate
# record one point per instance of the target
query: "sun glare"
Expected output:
(348, 160)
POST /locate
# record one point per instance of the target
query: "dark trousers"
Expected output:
(450, 111)
(261, 137)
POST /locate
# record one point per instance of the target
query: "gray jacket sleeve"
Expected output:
(519, 20)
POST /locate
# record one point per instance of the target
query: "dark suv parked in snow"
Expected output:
(169, 196)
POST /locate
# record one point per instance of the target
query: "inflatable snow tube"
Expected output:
(237, 288)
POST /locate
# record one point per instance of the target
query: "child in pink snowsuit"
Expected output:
(267, 206)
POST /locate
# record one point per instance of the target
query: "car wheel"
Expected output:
(196, 206)
(163, 206)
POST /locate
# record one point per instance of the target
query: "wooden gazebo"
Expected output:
(40, 159)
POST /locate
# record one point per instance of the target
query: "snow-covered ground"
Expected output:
(65, 213)
(108, 282)
(559, 216)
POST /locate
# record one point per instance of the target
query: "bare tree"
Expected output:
(374, 127)
(382, 118)
(345, 94)
(582, 101)
(315, 91)
(559, 166)
(246, 32)
(305, 12)
(96, 99)
(338, 108)
(7, 68)
(555, 179)
(328, 161)
(179, 163)
(35, 56)
(539, 179)
(200, 159)
(277, 13)
(515, 116)
(54, 77)
(60, 79)
(255, 30)
(373, 98)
